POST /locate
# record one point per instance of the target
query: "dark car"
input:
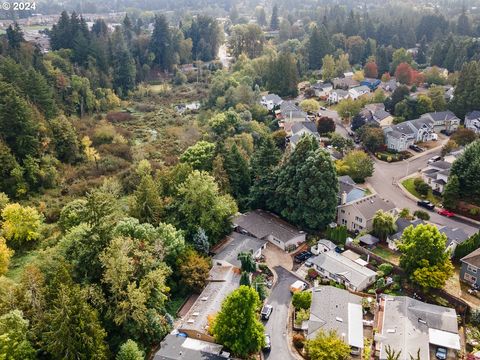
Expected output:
(416, 148)
(266, 312)
(268, 343)
(301, 257)
(426, 204)
(441, 353)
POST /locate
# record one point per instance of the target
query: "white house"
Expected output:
(399, 137)
(271, 101)
(443, 120)
(337, 95)
(436, 175)
(472, 121)
(358, 91)
(353, 274)
(322, 90)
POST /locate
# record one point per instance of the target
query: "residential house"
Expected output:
(372, 84)
(390, 85)
(455, 236)
(401, 224)
(399, 137)
(176, 346)
(339, 268)
(358, 91)
(300, 129)
(443, 120)
(436, 175)
(323, 245)
(291, 112)
(222, 281)
(227, 253)
(337, 95)
(338, 310)
(376, 113)
(271, 101)
(348, 190)
(472, 121)
(345, 83)
(470, 271)
(454, 155)
(267, 226)
(322, 90)
(449, 93)
(408, 326)
(358, 215)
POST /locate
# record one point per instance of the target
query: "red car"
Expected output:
(446, 213)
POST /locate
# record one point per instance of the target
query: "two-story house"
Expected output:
(358, 215)
(443, 120)
(470, 271)
(290, 112)
(358, 91)
(337, 95)
(271, 101)
(322, 90)
(436, 175)
(376, 113)
(472, 121)
(399, 137)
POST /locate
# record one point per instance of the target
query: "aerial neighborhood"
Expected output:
(211, 180)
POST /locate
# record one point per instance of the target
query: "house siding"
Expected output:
(470, 274)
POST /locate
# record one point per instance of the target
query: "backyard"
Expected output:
(387, 254)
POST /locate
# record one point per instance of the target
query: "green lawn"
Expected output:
(408, 184)
(386, 254)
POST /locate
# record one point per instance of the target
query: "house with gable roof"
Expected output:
(472, 121)
(399, 137)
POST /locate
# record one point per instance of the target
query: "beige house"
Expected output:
(358, 215)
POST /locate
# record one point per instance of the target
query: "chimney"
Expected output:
(344, 198)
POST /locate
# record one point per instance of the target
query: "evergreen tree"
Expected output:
(274, 22)
(238, 174)
(467, 91)
(161, 44)
(307, 187)
(205, 34)
(318, 46)
(383, 64)
(40, 93)
(15, 36)
(463, 24)
(130, 351)
(124, 71)
(451, 194)
(437, 56)
(422, 52)
(283, 75)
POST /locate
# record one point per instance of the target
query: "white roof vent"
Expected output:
(391, 331)
(190, 321)
(196, 313)
(339, 319)
(205, 298)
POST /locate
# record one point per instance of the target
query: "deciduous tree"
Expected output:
(383, 224)
(20, 224)
(327, 346)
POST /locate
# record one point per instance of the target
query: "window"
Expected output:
(342, 211)
(470, 278)
(358, 219)
(472, 269)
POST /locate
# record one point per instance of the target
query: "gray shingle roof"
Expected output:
(368, 239)
(235, 244)
(454, 234)
(336, 263)
(473, 258)
(260, 224)
(441, 165)
(369, 205)
(440, 115)
(329, 305)
(175, 347)
(473, 115)
(406, 324)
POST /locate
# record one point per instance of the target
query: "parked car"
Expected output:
(355, 351)
(266, 312)
(445, 212)
(268, 343)
(416, 148)
(323, 108)
(308, 263)
(301, 257)
(298, 286)
(434, 159)
(426, 204)
(441, 353)
(447, 132)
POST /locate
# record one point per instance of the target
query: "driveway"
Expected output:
(339, 126)
(277, 325)
(386, 177)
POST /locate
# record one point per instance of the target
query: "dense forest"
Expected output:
(111, 198)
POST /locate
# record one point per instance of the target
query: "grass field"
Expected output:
(387, 254)
(408, 184)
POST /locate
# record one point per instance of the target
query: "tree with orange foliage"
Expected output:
(404, 74)
(371, 70)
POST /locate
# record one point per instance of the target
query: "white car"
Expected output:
(434, 159)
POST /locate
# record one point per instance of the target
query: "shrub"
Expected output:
(380, 274)
(475, 317)
(301, 316)
(421, 186)
(395, 286)
(386, 268)
(302, 300)
(423, 215)
(312, 274)
(380, 284)
(119, 116)
(298, 341)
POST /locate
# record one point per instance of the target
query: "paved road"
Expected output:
(387, 174)
(276, 326)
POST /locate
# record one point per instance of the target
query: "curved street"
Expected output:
(385, 182)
